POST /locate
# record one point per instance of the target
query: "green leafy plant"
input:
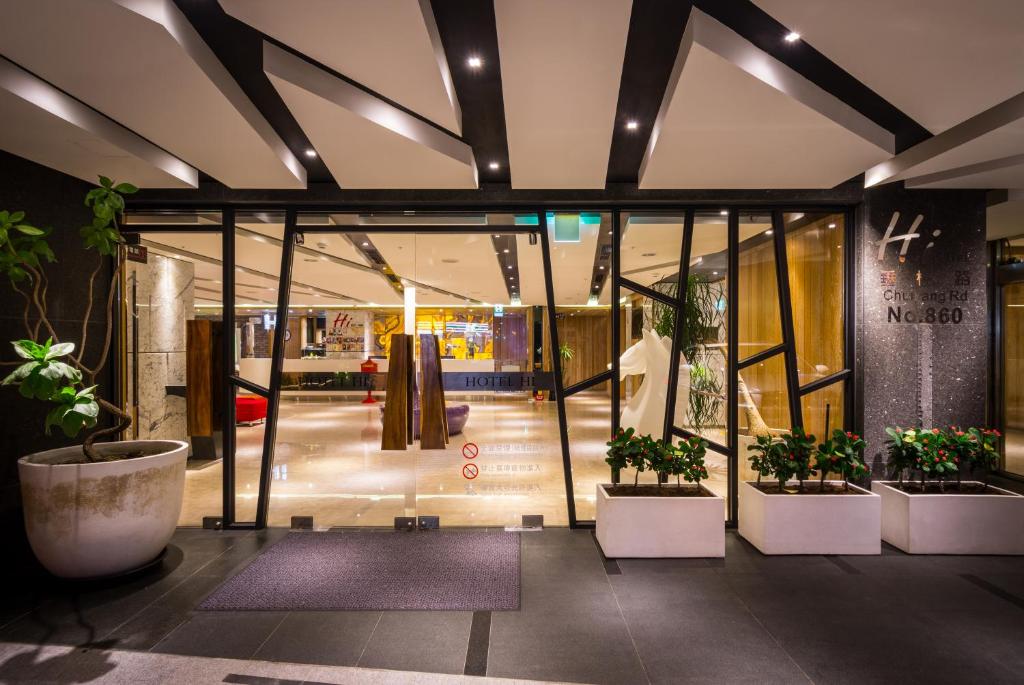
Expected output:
(765, 455)
(686, 461)
(842, 454)
(904, 449)
(794, 461)
(51, 371)
(626, 450)
(939, 454)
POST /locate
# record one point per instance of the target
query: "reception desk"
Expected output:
(257, 370)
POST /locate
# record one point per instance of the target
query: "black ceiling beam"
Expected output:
(602, 269)
(506, 251)
(239, 47)
(652, 43)
(767, 34)
(468, 29)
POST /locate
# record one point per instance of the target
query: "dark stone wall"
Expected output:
(923, 320)
(49, 198)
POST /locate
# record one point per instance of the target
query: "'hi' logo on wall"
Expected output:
(905, 238)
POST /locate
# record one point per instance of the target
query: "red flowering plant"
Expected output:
(626, 450)
(765, 454)
(937, 459)
(905, 451)
(841, 454)
(686, 460)
(985, 454)
(794, 458)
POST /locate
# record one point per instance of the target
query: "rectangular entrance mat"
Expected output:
(472, 570)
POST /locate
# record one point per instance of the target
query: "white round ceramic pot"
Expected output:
(102, 518)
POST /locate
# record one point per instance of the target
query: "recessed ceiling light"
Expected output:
(714, 273)
(724, 212)
(768, 232)
(601, 268)
(494, 166)
(474, 62)
(505, 250)
(831, 225)
(310, 152)
(509, 266)
(632, 125)
(792, 37)
(366, 244)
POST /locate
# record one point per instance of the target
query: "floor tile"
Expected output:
(335, 638)
(434, 641)
(228, 634)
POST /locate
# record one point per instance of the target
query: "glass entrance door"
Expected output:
(1012, 364)
(472, 304)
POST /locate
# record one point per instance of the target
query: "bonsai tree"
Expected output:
(686, 461)
(50, 371)
(765, 456)
(794, 460)
(905, 452)
(842, 454)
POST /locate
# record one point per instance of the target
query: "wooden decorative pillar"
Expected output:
(433, 415)
(203, 385)
(398, 407)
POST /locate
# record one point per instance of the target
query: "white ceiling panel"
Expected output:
(561, 63)
(364, 141)
(572, 265)
(1006, 219)
(389, 46)
(51, 128)
(939, 61)
(462, 264)
(733, 117)
(980, 176)
(142, 64)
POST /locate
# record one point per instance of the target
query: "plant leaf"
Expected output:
(60, 349)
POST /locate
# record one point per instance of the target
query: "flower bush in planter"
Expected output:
(842, 454)
(940, 455)
(801, 521)
(923, 515)
(648, 520)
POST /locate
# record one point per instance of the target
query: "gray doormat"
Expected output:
(378, 571)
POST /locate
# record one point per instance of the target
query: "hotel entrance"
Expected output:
(471, 366)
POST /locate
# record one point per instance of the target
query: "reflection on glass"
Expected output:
(174, 303)
(258, 240)
(821, 406)
(763, 404)
(814, 248)
(759, 324)
(650, 248)
(700, 399)
(1013, 371)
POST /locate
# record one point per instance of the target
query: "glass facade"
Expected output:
(553, 329)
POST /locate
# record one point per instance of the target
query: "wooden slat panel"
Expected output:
(397, 432)
(199, 395)
(433, 428)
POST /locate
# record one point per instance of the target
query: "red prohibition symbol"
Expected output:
(470, 450)
(470, 471)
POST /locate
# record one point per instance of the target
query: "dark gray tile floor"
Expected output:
(745, 618)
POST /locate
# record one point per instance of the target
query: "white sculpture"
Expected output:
(651, 356)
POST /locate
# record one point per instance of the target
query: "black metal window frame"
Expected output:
(293, 232)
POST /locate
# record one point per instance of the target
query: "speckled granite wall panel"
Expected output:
(922, 326)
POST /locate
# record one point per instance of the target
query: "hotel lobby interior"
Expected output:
(456, 341)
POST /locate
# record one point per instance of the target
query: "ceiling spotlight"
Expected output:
(632, 125)
(724, 212)
(601, 268)
(311, 153)
(505, 250)
(768, 232)
(494, 166)
(831, 225)
(474, 62)
(509, 266)
(792, 37)
(714, 273)
(366, 244)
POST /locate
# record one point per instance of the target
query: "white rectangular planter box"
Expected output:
(951, 524)
(660, 526)
(810, 524)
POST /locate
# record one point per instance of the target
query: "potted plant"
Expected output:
(922, 513)
(658, 519)
(794, 515)
(101, 508)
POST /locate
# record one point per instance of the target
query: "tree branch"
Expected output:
(88, 307)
